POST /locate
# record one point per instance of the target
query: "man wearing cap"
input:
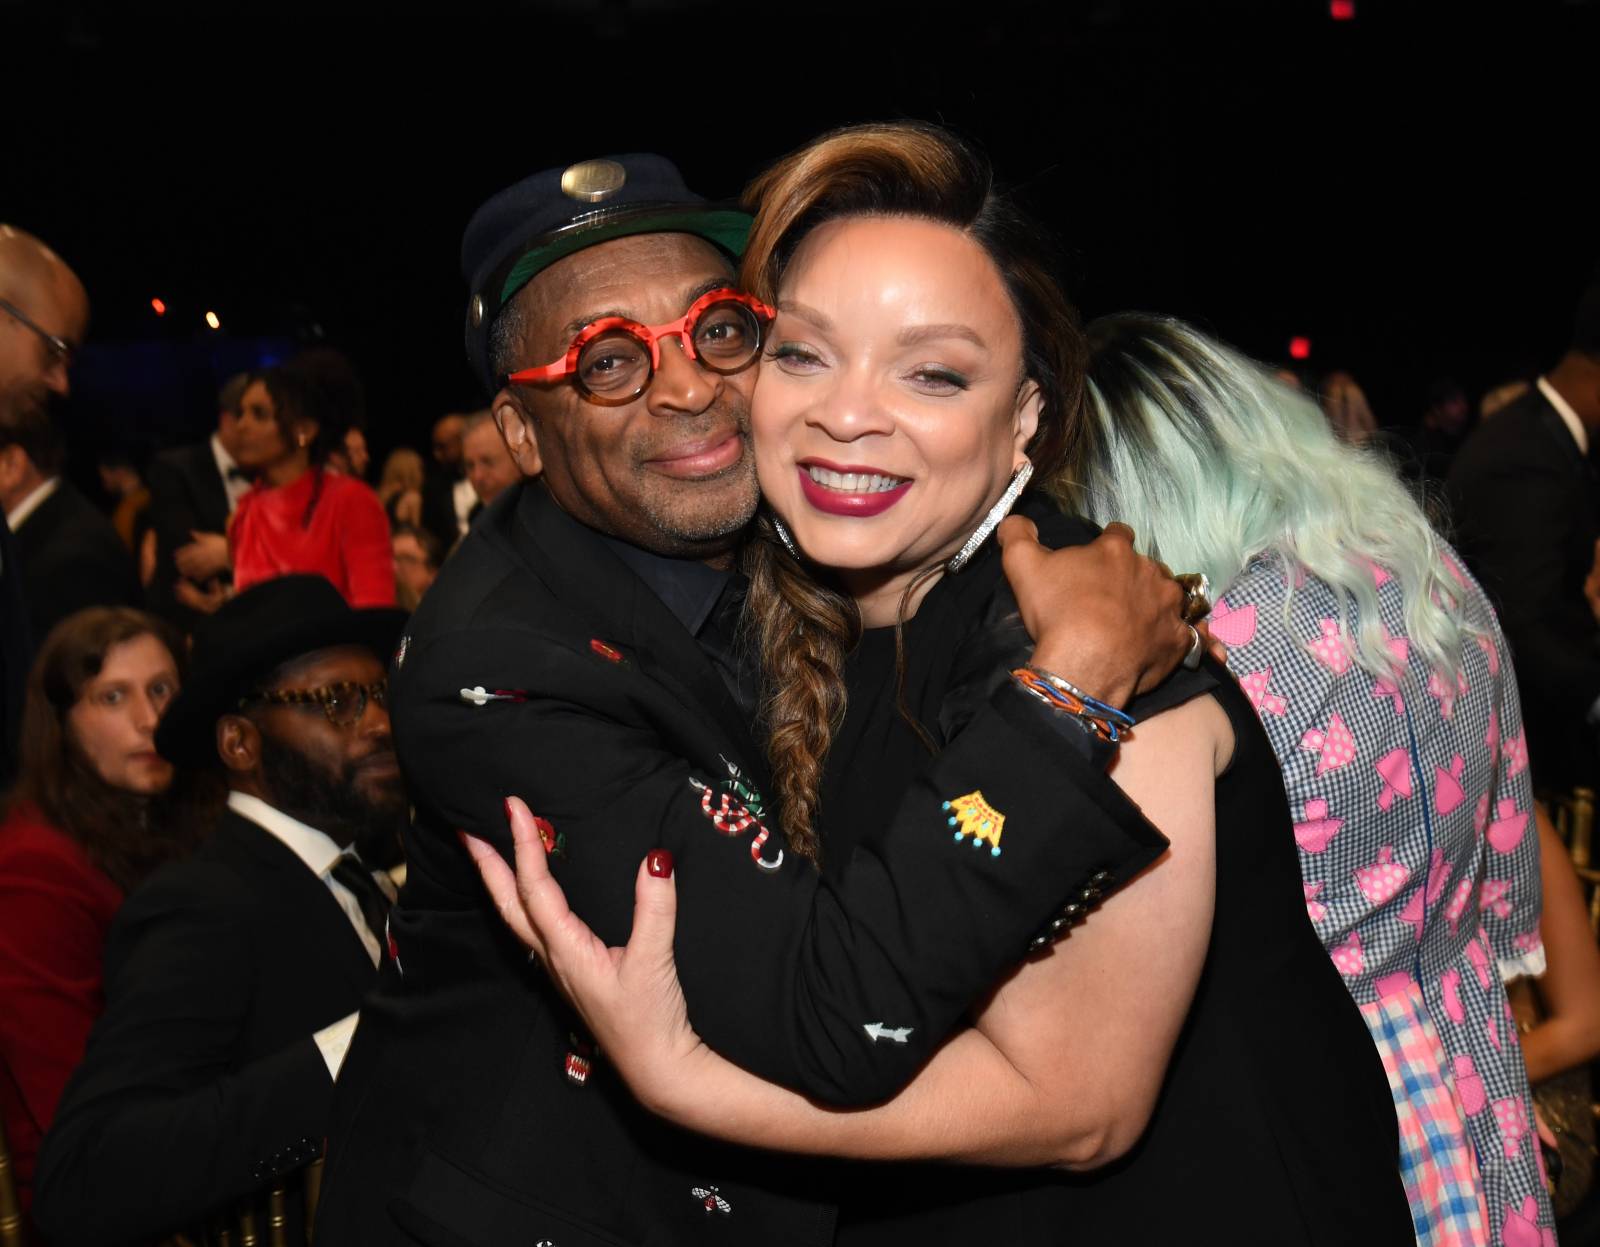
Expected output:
(577, 651)
(232, 980)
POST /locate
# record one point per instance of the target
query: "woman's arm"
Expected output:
(1064, 1065)
(1570, 985)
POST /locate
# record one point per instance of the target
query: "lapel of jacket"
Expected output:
(285, 881)
(591, 581)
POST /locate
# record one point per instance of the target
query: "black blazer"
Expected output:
(187, 495)
(201, 1082)
(16, 652)
(72, 558)
(454, 1114)
(1526, 509)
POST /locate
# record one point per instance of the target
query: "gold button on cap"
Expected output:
(593, 180)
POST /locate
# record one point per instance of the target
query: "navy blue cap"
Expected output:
(527, 227)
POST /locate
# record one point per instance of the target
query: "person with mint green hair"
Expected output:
(1379, 671)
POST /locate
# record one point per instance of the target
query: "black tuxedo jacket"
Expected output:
(72, 558)
(539, 665)
(187, 495)
(1526, 508)
(201, 1083)
(16, 652)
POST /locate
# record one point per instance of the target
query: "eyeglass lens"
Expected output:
(726, 337)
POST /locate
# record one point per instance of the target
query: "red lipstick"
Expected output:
(861, 505)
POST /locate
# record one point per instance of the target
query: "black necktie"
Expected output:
(350, 871)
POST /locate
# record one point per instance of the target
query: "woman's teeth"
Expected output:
(854, 482)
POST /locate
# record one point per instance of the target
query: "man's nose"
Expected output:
(681, 386)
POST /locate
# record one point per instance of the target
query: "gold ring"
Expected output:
(1196, 596)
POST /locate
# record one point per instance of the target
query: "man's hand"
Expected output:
(1101, 615)
(207, 600)
(204, 557)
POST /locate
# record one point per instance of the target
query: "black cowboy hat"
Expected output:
(262, 628)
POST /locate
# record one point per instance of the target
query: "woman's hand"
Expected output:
(1101, 614)
(629, 998)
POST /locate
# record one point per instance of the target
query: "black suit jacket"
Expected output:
(201, 1082)
(1526, 508)
(16, 652)
(187, 495)
(72, 558)
(454, 1114)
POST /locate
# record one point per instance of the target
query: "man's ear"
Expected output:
(517, 429)
(239, 744)
(1030, 402)
(13, 461)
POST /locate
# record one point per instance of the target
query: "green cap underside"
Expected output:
(729, 230)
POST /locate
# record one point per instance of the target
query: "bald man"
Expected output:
(490, 467)
(65, 550)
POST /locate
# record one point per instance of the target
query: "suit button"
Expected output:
(1100, 879)
(1038, 942)
(1071, 911)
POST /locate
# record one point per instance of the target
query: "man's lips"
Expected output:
(705, 456)
(849, 489)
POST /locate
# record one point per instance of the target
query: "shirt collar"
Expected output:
(688, 588)
(1569, 417)
(31, 503)
(311, 846)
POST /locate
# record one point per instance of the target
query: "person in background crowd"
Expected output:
(1498, 398)
(351, 455)
(119, 477)
(232, 979)
(489, 465)
(1428, 449)
(301, 517)
(1526, 506)
(68, 553)
(1387, 692)
(400, 487)
(417, 558)
(44, 313)
(447, 495)
(1346, 407)
(194, 489)
(86, 824)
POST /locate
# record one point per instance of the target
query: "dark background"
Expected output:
(1412, 189)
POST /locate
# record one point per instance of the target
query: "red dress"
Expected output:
(345, 537)
(55, 909)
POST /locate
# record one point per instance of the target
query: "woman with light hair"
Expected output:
(1379, 671)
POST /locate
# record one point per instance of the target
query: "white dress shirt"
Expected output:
(31, 503)
(319, 853)
(1568, 417)
(236, 486)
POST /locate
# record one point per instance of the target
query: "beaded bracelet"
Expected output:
(1106, 722)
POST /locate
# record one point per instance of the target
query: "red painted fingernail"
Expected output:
(508, 809)
(659, 863)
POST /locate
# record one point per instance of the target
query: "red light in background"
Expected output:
(1342, 10)
(158, 306)
(1299, 348)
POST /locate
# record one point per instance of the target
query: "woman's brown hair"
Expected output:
(802, 626)
(125, 834)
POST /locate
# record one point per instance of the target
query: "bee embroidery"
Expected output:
(713, 1202)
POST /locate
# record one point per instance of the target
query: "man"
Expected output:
(447, 495)
(489, 465)
(232, 979)
(1526, 506)
(193, 491)
(44, 313)
(577, 651)
(417, 557)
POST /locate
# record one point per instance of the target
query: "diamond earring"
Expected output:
(783, 536)
(998, 512)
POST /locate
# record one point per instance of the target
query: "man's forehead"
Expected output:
(637, 275)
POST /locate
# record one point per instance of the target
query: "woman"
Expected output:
(1383, 682)
(920, 361)
(301, 517)
(85, 824)
(400, 487)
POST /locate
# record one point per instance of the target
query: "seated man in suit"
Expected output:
(1525, 502)
(232, 979)
(193, 491)
(490, 467)
(577, 651)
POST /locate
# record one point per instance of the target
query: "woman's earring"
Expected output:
(998, 512)
(783, 536)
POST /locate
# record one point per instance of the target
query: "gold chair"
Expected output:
(1573, 814)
